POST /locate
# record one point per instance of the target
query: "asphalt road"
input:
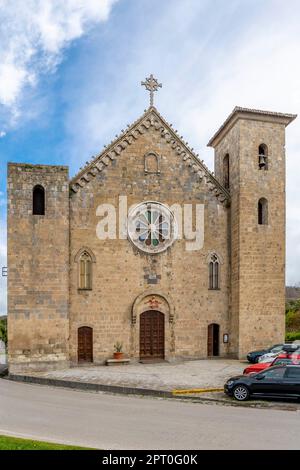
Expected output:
(120, 422)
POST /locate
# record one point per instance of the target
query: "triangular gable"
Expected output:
(150, 119)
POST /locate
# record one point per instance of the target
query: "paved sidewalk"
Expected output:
(165, 376)
(156, 380)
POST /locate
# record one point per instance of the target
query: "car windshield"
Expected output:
(295, 360)
(265, 359)
(276, 348)
(281, 361)
(274, 373)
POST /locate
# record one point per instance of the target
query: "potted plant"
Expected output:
(118, 354)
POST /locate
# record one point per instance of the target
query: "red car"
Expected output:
(279, 360)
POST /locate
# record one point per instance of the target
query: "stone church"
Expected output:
(81, 278)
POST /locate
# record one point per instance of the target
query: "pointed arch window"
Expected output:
(262, 211)
(214, 272)
(263, 157)
(226, 181)
(38, 200)
(85, 271)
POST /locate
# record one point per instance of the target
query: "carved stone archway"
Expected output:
(155, 301)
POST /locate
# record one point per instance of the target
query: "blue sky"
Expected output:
(70, 77)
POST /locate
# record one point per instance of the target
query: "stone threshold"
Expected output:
(219, 398)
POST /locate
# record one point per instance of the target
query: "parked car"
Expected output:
(268, 357)
(255, 355)
(288, 348)
(279, 360)
(278, 381)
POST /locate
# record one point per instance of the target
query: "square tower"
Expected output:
(38, 266)
(250, 162)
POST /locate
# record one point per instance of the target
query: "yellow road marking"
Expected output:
(197, 390)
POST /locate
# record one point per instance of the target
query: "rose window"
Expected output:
(151, 227)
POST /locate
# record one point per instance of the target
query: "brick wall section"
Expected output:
(38, 268)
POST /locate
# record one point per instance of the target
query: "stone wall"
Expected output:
(46, 306)
(121, 273)
(257, 251)
(38, 268)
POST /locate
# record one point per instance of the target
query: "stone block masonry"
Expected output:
(38, 275)
(168, 302)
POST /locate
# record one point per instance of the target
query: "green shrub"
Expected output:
(292, 305)
(292, 336)
(292, 321)
(3, 330)
(292, 317)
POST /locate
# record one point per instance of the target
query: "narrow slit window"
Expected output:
(262, 211)
(226, 181)
(38, 200)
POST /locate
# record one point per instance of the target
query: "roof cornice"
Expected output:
(252, 114)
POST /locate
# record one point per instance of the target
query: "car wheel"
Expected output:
(241, 393)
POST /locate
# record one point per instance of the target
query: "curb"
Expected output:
(146, 392)
(196, 390)
(90, 386)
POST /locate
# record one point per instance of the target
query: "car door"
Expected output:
(269, 382)
(291, 381)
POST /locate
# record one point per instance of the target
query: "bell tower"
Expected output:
(38, 267)
(250, 161)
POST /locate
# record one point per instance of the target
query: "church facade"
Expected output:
(197, 269)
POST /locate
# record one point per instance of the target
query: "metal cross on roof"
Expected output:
(151, 84)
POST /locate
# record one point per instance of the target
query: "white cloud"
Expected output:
(238, 53)
(33, 36)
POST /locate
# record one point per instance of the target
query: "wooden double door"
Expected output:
(152, 335)
(85, 344)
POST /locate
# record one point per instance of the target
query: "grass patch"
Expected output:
(15, 443)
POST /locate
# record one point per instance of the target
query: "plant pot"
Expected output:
(118, 355)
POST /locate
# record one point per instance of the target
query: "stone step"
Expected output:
(117, 362)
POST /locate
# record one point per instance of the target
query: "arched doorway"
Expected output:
(85, 344)
(213, 340)
(152, 335)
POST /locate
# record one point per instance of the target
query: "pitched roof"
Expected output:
(247, 113)
(150, 119)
